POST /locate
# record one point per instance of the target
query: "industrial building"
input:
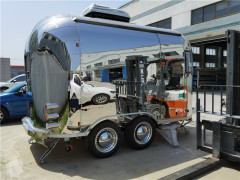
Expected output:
(203, 23)
(17, 70)
(5, 69)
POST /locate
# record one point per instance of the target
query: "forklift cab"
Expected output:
(159, 87)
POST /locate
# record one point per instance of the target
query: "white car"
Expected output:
(86, 93)
(10, 83)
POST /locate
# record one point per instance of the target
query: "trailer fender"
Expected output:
(110, 118)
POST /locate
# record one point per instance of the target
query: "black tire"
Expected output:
(100, 99)
(107, 148)
(74, 109)
(3, 115)
(141, 123)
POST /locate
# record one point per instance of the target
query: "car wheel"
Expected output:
(104, 140)
(74, 109)
(140, 133)
(100, 99)
(3, 115)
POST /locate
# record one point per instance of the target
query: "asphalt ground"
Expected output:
(18, 159)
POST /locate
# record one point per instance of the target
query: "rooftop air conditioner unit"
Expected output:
(103, 12)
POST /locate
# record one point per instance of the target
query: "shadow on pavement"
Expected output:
(125, 164)
(223, 164)
(12, 121)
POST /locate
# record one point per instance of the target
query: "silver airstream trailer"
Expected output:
(148, 72)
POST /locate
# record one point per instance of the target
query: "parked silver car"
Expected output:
(11, 82)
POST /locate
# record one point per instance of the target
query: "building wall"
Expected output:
(5, 69)
(17, 70)
(145, 12)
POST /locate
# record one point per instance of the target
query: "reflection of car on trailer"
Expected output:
(87, 92)
(10, 83)
(142, 104)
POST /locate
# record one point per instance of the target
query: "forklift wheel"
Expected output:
(159, 111)
(140, 133)
(104, 140)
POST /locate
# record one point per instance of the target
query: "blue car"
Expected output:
(14, 102)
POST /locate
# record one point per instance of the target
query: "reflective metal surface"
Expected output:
(143, 133)
(106, 140)
(103, 54)
(51, 106)
(63, 47)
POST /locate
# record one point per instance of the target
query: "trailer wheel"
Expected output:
(140, 133)
(104, 140)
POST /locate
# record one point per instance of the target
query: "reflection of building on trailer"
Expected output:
(107, 67)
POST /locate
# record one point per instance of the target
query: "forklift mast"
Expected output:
(233, 76)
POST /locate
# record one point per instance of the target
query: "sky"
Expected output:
(18, 18)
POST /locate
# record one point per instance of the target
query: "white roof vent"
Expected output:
(104, 12)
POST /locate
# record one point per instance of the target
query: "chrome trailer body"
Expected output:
(63, 45)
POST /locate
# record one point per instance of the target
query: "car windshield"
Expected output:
(18, 79)
(13, 87)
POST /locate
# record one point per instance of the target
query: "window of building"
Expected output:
(88, 67)
(234, 6)
(221, 9)
(210, 65)
(196, 64)
(208, 13)
(197, 16)
(196, 50)
(113, 61)
(211, 52)
(98, 64)
(225, 53)
(97, 73)
(216, 10)
(166, 24)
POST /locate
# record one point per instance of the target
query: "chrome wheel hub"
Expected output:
(143, 133)
(106, 140)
